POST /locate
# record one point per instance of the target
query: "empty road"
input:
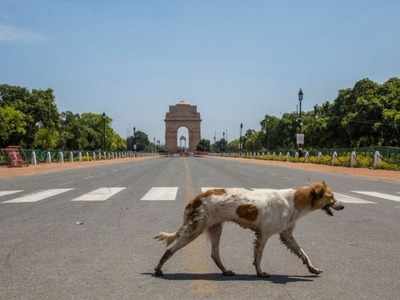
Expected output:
(88, 234)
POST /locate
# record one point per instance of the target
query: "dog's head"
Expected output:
(323, 198)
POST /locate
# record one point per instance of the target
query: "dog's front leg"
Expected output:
(290, 242)
(259, 245)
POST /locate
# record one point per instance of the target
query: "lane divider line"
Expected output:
(349, 199)
(38, 196)
(161, 194)
(100, 194)
(379, 195)
(9, 192)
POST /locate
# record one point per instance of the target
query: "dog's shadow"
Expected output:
(274, 278)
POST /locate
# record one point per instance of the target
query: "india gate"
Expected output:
(183, 114)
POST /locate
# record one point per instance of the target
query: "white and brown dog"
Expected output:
(266, 212)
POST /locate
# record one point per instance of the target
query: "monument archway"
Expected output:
(182, 114)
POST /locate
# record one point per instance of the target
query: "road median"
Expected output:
(30, 170)
(373, 174)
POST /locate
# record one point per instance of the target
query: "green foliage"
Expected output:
(12, 126)
(46, 138)
(204, 145)
(31, 119)
(141, 140)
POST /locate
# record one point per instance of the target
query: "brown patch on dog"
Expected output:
(307, 196)
(196, 202)
(247, 211)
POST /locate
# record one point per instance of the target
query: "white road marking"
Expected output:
(35, 197)
(229, 189)
(5, 193)
(379, 195)
(100, 194)
(349, 199)
(160, 194)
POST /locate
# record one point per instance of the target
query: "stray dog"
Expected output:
(266, 212)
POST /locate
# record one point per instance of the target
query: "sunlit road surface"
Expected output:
(87, 234)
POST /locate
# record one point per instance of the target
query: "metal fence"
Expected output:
(37, 156)
(375, 157)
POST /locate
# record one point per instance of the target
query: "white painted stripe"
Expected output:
(160, 194)
(262, 190)
(228, 189)
(349, 199)
(100, 194)
(5, 193)
(379, 195)
(35, 197)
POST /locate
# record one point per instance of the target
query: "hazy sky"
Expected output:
(237, 60)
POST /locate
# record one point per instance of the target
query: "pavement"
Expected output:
(87, 234)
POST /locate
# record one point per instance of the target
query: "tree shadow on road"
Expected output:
(274, 278)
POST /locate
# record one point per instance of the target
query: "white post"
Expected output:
(377, 159)
(87, 156)
(280, 153)
(61, 154)
(287, 156)
(319, 155)
(306, 156)
(105, 155)
(71, 156)
(80, 156)
(34, 161)
(353, 159)
(296, 155)
(94, 155)
(334, 157)
(48, 157)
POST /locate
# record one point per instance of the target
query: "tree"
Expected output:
(12, 126)
(46, 138)
(203, 145)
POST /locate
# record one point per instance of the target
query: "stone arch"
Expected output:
(183, 114)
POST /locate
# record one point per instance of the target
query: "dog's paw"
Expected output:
(158, 273)
(315, 270)
(263, 275)
(228, 273)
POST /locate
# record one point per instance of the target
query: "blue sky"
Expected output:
(237, 60)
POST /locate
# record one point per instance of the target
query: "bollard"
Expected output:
(306, 155)
(334, 157)
(287, 156)
(319, 155)
(377, 159)
(48, 159)
(34, 161)
(61, 154)
(296, 154)
(94, 155)
(87, 156)
(71, 156)
(105, 155)
(353, 159)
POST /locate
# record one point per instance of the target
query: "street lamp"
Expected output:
(300, 100)
(104, 130)
(134, 140)
(240, 139)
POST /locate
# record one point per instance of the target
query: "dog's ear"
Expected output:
(317, 192)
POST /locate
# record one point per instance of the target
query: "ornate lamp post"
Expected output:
(104, 130)
(240, 140)
(300, 95)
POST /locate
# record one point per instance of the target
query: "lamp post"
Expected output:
(240, 139)
(104, 130)
(134, 140)
(300, 95)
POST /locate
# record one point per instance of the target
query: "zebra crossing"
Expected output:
(168, 194)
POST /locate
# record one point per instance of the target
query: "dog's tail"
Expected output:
(168, 238)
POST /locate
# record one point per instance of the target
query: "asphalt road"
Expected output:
(56, 248)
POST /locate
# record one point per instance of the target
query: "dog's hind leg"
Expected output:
(214, 234)
(259, 245)
(290, 242)
(186, 235)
